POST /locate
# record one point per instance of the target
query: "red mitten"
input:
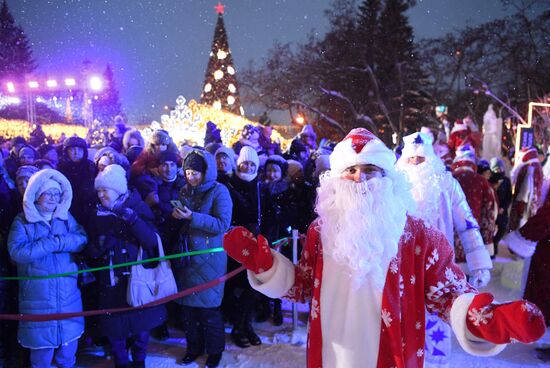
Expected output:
(503, 323)
(241, 245)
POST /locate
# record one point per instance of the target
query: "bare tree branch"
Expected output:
(332, 122)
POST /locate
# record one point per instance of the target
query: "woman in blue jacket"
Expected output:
(205, 217)
(41, 242)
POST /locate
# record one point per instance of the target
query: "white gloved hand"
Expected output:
(480, 278)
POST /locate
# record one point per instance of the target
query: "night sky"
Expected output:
(159, 49)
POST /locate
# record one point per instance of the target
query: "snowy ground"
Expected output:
(281, 347)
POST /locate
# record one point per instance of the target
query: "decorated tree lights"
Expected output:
(182, 124)
(187, 124)
(220, 83)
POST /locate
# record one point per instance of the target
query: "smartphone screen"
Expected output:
(176, 203)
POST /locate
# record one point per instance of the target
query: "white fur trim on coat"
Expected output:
(470, 343)
(519, 245)
(277, 281)
(479, 259)
(36, 183)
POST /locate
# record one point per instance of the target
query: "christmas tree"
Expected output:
(107, 106)
(220, 83)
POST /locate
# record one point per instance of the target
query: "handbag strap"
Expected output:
(161, 249)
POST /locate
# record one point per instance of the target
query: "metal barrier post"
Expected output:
(295, 237)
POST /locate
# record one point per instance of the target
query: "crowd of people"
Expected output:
(66, 206)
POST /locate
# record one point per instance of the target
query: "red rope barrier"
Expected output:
(58, 316)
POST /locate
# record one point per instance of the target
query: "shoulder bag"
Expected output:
(146, 285)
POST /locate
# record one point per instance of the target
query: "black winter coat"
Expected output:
(81, 175)
(278, 207)
(111, 239)
(245, 203)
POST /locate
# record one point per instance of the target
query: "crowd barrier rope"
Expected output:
(60, 316)
(195, 289)
(279, 242)
(118, 265)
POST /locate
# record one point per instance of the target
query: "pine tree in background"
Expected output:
(398, 68)
(369, 28)
(220, 83)
(15, 52)
(107, 106)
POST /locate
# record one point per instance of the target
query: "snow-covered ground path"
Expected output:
(281, 347)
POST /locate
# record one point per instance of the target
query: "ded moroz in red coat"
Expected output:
(422, 275)
(481, 199)
(534, 236)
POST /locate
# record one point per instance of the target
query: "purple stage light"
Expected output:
(70, 82)
(11, 87)
(51, 83)
(33, 84)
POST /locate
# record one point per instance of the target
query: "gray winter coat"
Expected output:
(211, 205)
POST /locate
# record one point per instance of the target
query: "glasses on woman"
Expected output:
(52, 195)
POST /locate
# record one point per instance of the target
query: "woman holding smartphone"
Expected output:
(205, 217)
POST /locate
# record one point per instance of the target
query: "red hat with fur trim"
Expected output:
(361, 147)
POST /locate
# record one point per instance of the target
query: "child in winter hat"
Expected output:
(279, 161)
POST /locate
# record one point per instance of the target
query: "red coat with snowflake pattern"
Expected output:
(422, 274)
(482, 201)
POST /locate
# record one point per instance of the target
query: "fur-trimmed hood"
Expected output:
(35, 183)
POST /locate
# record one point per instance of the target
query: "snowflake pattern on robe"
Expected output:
(424, 254)
(386, 317)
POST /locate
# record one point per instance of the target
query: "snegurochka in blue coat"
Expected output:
(42, 241)
(204, 218)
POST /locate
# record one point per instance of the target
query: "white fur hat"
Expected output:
(417, 144)
(361, 147)
(112, 177)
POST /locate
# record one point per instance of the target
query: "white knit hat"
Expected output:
(361, 147)
(248, 154)
(112, 177)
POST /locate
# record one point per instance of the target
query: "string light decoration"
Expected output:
(10, 128)
(220, 82)
(187, 123)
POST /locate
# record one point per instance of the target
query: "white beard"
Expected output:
(426, 189)
(361, 223)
